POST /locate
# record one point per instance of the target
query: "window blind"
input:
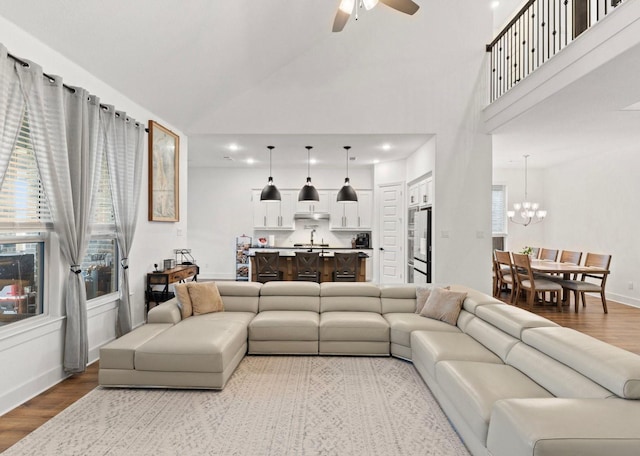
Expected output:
(499, 210)
(103, 217)
(23, 202)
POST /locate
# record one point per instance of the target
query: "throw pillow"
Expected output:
(205, 298)
(422, 294)
(444, 305)
(184, 301)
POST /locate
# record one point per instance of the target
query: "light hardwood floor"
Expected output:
(619, 327)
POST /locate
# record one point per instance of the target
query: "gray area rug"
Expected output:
(272, 405)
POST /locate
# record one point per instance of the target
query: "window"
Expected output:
(25, 220)
(100, 264)
(499, 215)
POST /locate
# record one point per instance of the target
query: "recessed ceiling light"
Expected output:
(495, 4)
(250, 161)
(313, 161)
(233, 147)
(386, 146)
(376, 161)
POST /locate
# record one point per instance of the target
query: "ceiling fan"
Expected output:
(347, 8)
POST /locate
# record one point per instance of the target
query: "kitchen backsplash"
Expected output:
(302, 235)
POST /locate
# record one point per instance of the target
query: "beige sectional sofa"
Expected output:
(511, 382)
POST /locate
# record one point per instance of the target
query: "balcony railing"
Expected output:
(540, 30)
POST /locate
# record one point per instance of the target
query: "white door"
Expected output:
(392, 234)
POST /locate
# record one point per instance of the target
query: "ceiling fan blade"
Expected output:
(404, 6)
(340, 21)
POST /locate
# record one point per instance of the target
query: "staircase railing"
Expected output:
(540, 30)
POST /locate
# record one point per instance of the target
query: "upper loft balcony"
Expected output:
(550, 44)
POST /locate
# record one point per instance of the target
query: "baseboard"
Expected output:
(26, 391)
(622, 299)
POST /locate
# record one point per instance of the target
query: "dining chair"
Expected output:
(580, 287)
(548, 254)
(308, 266)
(535, 252)
(525, 281)
(504, 272)
(268, 266)
(346, 267)
(567, 256)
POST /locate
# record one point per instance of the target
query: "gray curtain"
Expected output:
(64, 131)
(11, 109)
(125, 153)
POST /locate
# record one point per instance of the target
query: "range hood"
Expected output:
(311, 216)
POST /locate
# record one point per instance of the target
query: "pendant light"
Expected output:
(347, 194)
(308, 191)
(270, 192)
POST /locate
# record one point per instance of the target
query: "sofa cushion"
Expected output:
(350, 297)
(557, 378)
(491, 337)
(205, 297)
(443, 305)
(353, 326)
(510, 319)
(290, 288)
(613, 368)
(120, 353)
(398, 298)
(240, 296)
(431, 347)
(403, 324)
(474, 298)
(284, 325)
(474, 388)
(194, 345)
(290, 296)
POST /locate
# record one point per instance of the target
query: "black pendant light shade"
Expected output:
(308, 191)
(270, 192)
(347, 194)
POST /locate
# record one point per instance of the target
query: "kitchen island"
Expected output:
(327, 264)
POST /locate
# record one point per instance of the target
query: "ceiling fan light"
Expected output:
(347, 6)
(270, 192)
(308, 192)
(347, 194)
(368, 4)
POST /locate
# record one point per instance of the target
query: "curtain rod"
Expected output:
(71, 89)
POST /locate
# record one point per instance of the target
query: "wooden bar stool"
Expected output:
(308, 266)
(268, 266)
(346, 267)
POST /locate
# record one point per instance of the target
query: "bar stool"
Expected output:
(308, 266)
(268, 266)
(346, 267)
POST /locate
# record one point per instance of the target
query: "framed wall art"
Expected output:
(164, 159)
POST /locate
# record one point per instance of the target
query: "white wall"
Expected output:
(31, 350)
(593, 207)
(221, 209)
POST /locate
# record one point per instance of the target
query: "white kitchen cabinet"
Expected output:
(420, 193)
(314, 207)
(277, 215)
(352, 216)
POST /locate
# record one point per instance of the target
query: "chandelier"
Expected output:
(527, 211)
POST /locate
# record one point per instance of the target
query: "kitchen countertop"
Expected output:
(291, 251)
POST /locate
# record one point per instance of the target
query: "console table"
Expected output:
(180, 273)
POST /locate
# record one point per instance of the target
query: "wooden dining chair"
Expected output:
(567, 256)
(535, 252)
(582, 286)
(548, 254)
(268, 266)
(525, 281)
(308, 266)
(504, 273)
